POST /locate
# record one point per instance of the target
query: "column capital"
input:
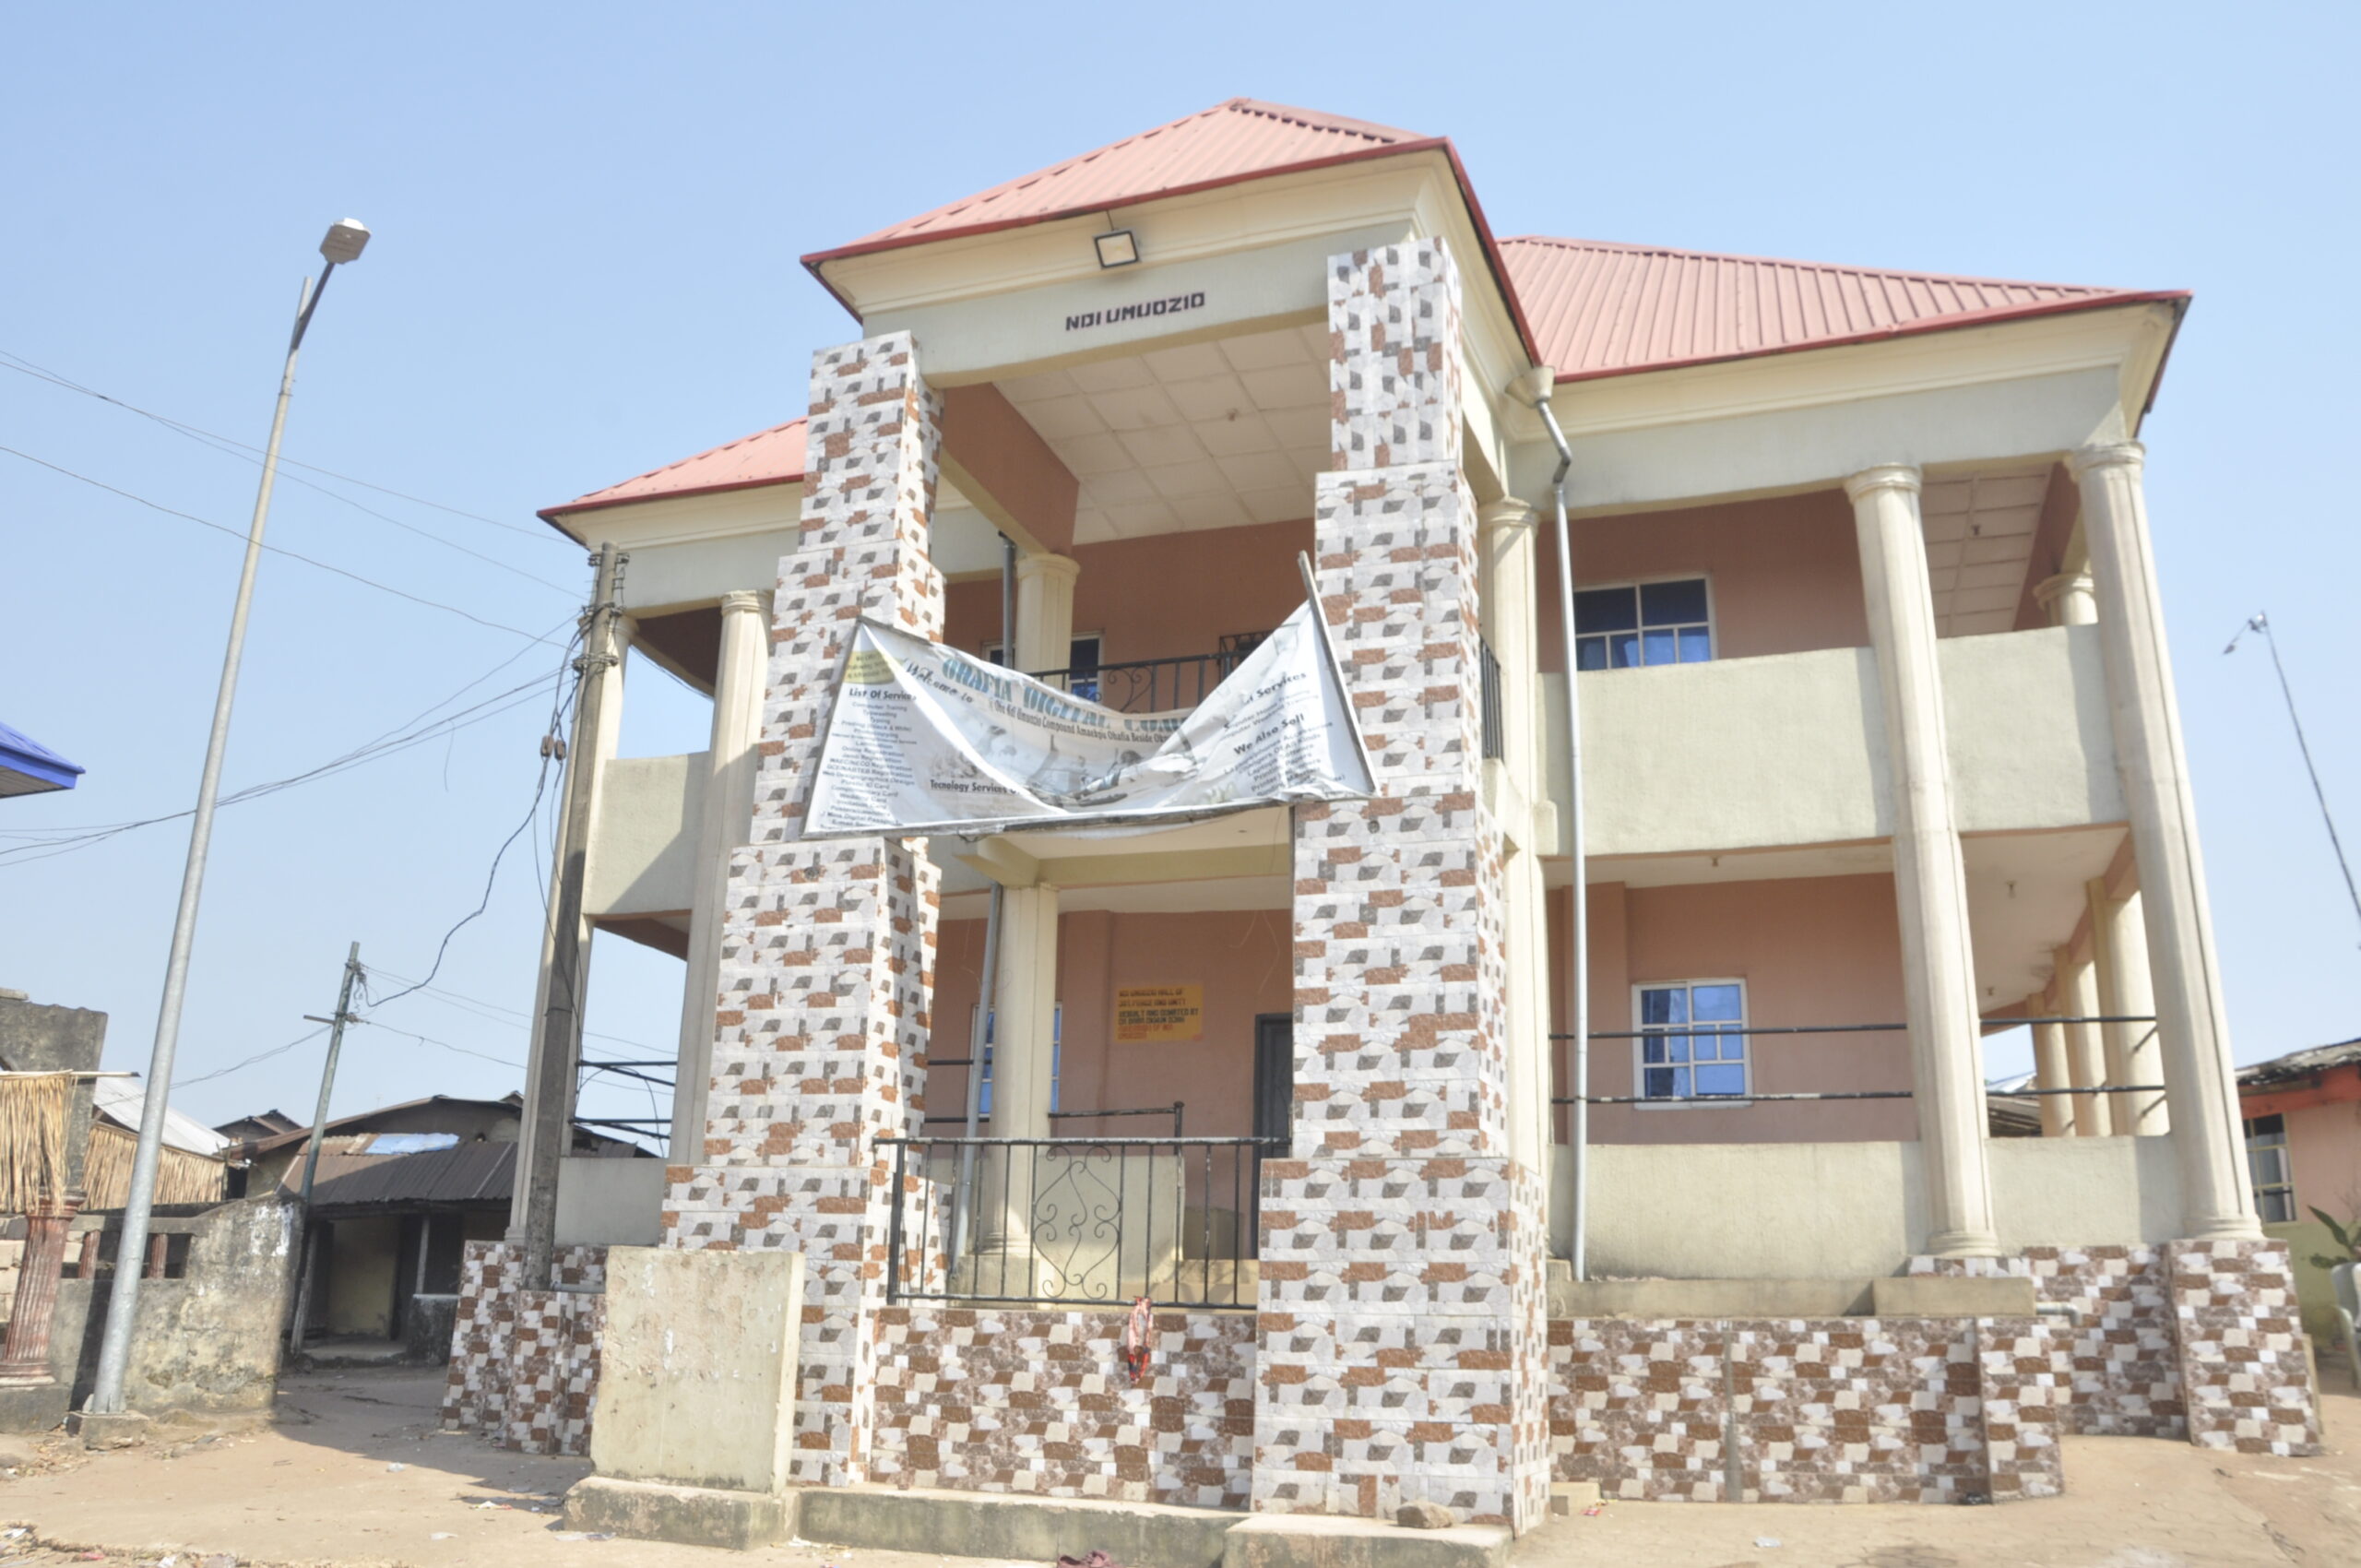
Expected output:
(1885, 476)
(1043, 564)
(2106, 455)
(1508, 512)
(745, 601)
(2071, 598)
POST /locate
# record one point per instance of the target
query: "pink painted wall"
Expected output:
(1815, 950)
(2325, 1158)
(1784, 574)
(1243, 960)
(1160, 597)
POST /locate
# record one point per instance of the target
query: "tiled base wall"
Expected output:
(2209, 1328)
(1018, 1400)
(1818, 1410)
(524, 1363)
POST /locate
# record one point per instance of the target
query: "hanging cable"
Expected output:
(2259, 622)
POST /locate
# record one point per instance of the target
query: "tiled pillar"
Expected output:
(1929, 874)
(827, 951)
(1403, 1355)
(2193, 1024)
(728, 820)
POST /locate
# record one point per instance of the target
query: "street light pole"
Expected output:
(344, 243)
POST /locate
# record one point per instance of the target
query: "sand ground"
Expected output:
(353, 1472)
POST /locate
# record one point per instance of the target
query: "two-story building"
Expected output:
(1857, 628)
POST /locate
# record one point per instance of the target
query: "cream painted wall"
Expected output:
(1849, 1210)
(2324, 1159)
(643, 845)
(1789, 750)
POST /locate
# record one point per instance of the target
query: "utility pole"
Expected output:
(561, 1024)
(352, 973)
(344, 243)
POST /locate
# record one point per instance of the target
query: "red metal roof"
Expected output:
(767, 456)
(1600, 309)
(1215, 146)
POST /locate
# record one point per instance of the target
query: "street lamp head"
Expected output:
(345, 241)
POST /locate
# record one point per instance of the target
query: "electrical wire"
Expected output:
(239, 1066)
(239, 535)
(42, 844)
(2259, 622)
(24, 366)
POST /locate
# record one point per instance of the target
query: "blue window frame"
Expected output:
(1640, 623)
(1692, 1040)
(1057, 1055)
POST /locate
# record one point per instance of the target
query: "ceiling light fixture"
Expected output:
(1117, 247)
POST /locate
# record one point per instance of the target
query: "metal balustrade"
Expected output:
(1076, 1221)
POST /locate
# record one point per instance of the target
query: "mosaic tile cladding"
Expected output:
(524, 1363)
(827, 946)
(1403, 1347)
(1819, 1410)
(991, 1399)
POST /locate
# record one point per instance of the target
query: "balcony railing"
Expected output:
(1076, 1221)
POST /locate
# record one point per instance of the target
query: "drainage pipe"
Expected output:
(1534, 388)
(987, 983)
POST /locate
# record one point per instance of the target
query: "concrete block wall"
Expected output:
(1040, 1403)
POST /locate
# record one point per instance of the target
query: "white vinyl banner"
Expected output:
(924, 739)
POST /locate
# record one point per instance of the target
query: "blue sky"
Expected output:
(588, 219)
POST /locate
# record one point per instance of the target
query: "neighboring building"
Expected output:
(2303, 1132)
(192, 1165)
(1879, 753)
(27, 767)
(262, 1124)
(397, 1194)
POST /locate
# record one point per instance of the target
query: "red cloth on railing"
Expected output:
(1138, 1331)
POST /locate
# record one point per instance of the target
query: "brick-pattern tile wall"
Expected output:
(2119, 1340)
(2246, 1370)
(1818, 1410)
(524, 1363)
(1403, 1343)
(828, 950)
(1008, 1400)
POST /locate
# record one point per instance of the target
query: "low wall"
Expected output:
(1002, 1400)
(524, 1363)
(1848, 1210)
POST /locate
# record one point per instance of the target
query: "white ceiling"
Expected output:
(1979, 538)
(1205, 435)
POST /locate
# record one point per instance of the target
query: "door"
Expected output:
(1274, 1076)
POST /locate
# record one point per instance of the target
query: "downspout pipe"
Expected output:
(963, 1214)
(1533, 389)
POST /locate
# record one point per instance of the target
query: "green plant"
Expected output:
(2347, 1237)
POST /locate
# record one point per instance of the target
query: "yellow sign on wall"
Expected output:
(1145, 1013)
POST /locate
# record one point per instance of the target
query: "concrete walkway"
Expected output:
(355, 1473)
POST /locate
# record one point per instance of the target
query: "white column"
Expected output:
(2070, 598)
(1506, 594)
(592, 751)
(1929, 877)
(2049, 1071)
(2078, 997)
(1045, 612)
(2120, 955)
(2193, 1024)
(1023, 1020)
(726, 823)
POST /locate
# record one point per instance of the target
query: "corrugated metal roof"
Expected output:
(1228, 142)
(2296, 1064)
(1604, 309)
(767, 456)
(471, 1173)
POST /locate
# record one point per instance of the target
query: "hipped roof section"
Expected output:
(1588, 308)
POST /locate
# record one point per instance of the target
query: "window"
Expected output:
(2274, 1190)
(1692, 1041)
(1082, 666)
(1057, 1052)
(1622, 628)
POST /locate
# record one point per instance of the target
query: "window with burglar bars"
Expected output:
(2274, 1186)
(1640, 623)
(1692, 1040)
